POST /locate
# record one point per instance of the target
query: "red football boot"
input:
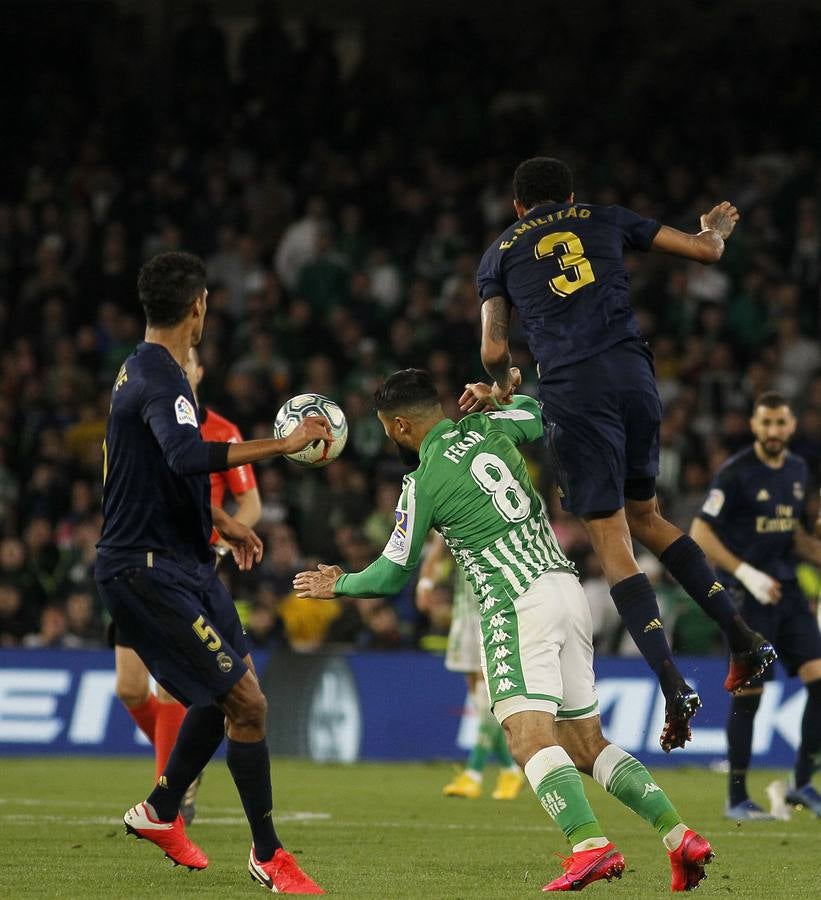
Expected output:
(749, 664)
(587, 866)
(168, 836)
(281, 874)
(688, 861)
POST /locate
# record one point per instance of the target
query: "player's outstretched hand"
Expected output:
(309, 430)
(320, 584)
(721, 218)
(478, 396)
(245, 545)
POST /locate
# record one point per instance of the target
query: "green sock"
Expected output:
(500, 747)
(629, 782)
(558, 785)
(485, 741)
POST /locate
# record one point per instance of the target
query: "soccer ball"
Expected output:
(293, 411)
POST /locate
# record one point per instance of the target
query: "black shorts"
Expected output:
(789, 625)
(603, 415)
(184, 628)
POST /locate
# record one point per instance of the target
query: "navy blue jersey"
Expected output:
(755, 511)
(156, 485)
(562, 267)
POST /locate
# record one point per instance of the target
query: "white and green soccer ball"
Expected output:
(293, 411)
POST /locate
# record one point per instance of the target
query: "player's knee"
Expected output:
(131, 693)
(251, 711)
(641, 519)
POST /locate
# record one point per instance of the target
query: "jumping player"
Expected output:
(155, 571)
(471, 484)
(750, 528)
(562, 267)
(160, 716)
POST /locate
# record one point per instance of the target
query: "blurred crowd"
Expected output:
(341, 201)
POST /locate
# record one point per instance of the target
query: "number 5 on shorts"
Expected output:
(206, 633)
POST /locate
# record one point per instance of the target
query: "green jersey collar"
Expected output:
(437, 431)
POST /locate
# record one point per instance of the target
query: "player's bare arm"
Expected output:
(759, 584)
(310, 429)
(495, 347)
(245, 545)
(321, 584)
(478, 396)
(425, 583)
(708, 245)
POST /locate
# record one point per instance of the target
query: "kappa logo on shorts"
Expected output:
(225, 662)
(185, 412)
(498, 620)
(501, 653)
(499, 637)
(505, 685)
(502, 669)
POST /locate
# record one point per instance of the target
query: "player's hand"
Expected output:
(321, 585)
(765, 589)
(478, 396)
(424, 593)
(721, 218)
(245, 545)
(309, 430)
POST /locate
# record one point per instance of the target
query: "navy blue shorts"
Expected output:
(183, 626)
(602, 416)
(789, 625)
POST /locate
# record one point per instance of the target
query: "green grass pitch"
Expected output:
(368, 831)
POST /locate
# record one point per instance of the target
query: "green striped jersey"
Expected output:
(472, 485)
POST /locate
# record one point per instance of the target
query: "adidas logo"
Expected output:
(717, 586)
(762, 495)
(652, 625)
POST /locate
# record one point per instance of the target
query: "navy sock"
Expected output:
(686, 562)
(201, 732)
(250, 767)
(740, 743)
(809, 753)
(636, 602)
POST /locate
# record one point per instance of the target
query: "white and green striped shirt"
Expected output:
(472, 485)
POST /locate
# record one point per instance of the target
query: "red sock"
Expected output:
(145, 715)
(169, 719)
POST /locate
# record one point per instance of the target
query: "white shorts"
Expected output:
(539, 656)
(464, 641)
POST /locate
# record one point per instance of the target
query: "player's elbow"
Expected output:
(495, 355)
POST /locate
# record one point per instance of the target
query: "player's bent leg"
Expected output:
(686, 562)
(636, 602)
(556, 782)
(170, 714)
(808, 760)
(629, 781)
(133, 689)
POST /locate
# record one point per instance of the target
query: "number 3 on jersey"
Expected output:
(496, 479)
(569, 252)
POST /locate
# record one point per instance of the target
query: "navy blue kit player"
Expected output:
(155, 571)
(561, 266)
(750, 528)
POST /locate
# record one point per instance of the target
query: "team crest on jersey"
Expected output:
(798, 490)
(185, 412)
(762, 495)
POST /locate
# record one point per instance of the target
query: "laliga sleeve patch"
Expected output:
(185, 412)
(398, 548)
(714, 502)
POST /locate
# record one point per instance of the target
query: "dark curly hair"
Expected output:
(542, 180)
(168, 285)
(405, 390)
